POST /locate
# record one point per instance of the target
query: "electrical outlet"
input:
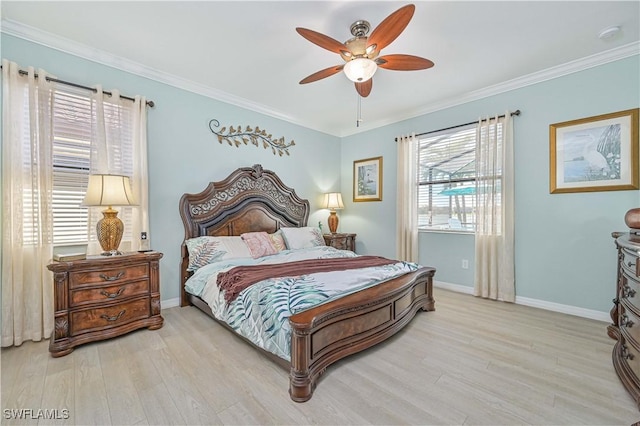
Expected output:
(465, 264)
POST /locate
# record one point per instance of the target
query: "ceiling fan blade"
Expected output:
(323, 41)
(364, 88)
(389, 29)
(403, 62)
(322, 74)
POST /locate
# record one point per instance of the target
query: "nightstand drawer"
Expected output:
(86, 320)
(84, 296)
(341, 241)
(108, 275)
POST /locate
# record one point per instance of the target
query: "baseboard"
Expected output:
(536, 303)
(170, 303)
(453, 287)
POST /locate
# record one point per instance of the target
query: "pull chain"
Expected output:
(359, 118)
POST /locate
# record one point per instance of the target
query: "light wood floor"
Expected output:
(472, 361)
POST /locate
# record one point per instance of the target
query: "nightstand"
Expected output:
(341, 241)
(103, 297)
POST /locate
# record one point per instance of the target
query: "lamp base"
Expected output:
(333, 221)
(109, 230)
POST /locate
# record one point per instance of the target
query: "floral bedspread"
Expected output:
(261, 312)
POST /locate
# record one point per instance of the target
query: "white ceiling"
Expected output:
(249, 54)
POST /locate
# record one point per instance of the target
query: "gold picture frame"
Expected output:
(598, 153)
(367, 179)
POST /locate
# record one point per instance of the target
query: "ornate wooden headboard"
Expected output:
(249, 200)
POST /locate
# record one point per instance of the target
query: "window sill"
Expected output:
(446, 231)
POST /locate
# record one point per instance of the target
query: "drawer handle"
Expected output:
(625, 321)
(112, 295)
(628, 292)
(113, 278)
(625, 353)
(114, 318)
(630, 264)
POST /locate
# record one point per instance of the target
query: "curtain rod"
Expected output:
(80, 86)
(516, 112)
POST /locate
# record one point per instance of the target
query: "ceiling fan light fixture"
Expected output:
(360, 69)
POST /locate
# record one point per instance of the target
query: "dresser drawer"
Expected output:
(84, 296)
(630, 262)
(108, 275)
(86, 320)
(631, 355)
(629, 323)
(630, 290)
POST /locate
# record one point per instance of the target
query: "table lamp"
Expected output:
(333, 202)
(109, 190)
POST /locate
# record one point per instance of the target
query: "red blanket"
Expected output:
(237, 279)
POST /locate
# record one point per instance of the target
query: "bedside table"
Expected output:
(104, 297)
(341, 241)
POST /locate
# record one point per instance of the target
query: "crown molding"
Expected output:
(622, 52)
(65, 45)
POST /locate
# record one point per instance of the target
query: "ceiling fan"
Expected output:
(360, 53)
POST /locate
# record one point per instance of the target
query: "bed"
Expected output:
(252, 200)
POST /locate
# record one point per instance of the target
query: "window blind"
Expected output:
(446, 179)
(74, 127)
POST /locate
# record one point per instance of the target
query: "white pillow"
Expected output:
(305, 237)
(206, 249)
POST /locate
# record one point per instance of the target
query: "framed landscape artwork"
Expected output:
(597, 153)
(367, 179)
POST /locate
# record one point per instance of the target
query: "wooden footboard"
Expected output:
(330, 332)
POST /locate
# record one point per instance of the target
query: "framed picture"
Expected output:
(597, 153)
(367, 179)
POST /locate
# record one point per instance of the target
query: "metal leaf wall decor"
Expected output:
(237, 136)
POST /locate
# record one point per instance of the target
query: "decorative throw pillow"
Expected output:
(204, 250)
(305, 237)
(278, 240)
(259, 244)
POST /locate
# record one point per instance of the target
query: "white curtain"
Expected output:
(494, 240)
(27, 218)
(116, 121)
(407, 204)
(140, 176)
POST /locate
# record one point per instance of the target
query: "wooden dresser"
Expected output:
(341, 241)
(626, 314)
(103, 297)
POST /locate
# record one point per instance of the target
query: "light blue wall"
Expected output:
(564, 250)
(184, 155)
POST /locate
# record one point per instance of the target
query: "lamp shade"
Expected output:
(108, 190)
(360, 69)
(333, 201)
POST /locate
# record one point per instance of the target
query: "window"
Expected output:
(447, 180)
(74, 121)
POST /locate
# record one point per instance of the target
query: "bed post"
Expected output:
(184, 275)
(300, 383)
